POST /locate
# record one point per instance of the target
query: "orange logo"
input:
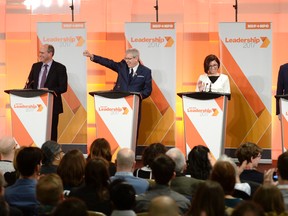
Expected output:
(40, 107)
(80, 41)
(170, 41)
(265, 43)
(125, 110)
(215, 112)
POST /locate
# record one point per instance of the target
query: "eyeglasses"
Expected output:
(213, 66)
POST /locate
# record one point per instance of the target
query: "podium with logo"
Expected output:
(31, 115)
(116, 114)
(204, 115)
(283, 108)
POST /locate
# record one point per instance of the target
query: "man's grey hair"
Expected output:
(178, 157)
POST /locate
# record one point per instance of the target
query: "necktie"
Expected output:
(43, 79)
(131, 75)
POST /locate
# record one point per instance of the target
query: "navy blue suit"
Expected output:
(56, 81)
(141, 83)
(282, 84)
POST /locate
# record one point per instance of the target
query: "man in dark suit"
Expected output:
(282, 84)
(54, 80)
(132, 75)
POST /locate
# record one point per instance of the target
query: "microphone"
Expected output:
(28, 85)
(205, 89)
(210, 90)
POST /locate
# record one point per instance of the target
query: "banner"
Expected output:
(157, 45)
(246, 57)
(69, 41)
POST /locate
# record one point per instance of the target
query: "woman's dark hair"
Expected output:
(151, 152)
(209, 59)
(198, 164)
(100, 148)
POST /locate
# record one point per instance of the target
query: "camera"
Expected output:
(275, 176)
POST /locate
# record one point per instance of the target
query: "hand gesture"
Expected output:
(87, 54)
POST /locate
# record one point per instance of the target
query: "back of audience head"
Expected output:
(270, 198)
(179, 159)
(125, 160)
(122, 195)
(199, 165)
(282, 167)
(163, 169)
(7, 147)
(163, 206)
(208, 199)
(248, 208)
(151, 152)
(248, 151)
(51, 151)
(72, 168)
(71, 206)
(224, 173)
(49, 190)
(100, 147)
(28, 161)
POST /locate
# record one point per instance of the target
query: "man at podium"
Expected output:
(50, 75)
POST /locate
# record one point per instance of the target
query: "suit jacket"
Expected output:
(282, 84)
(141, 83)
(56, 81)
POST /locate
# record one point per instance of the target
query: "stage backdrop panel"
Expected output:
(157, 45)
(69, 41)
(246, 57)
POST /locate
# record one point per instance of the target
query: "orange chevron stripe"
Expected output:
(220, 102)
(44, 98)
(19, 131)
(130, 100)
(285, 127)
(243, 84)
(105, 132)
(159, 99)
(71, 99)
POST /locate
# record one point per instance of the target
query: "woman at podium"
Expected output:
(213, 80)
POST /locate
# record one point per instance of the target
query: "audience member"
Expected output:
(125, 165)
(71, 169)
(248, 208)
(163, 171)
(251, 153)
(282, 171)
(11, 177)
(123, 198)
(270, 199)
(199, 164)
(95, 191)
(208, 200)
(49, 192)
(101, 148)
(224, 173)
(182, 184)
(163, 206)
(53, 154)
(148, 155)
(22, 194)
(71, 206)
(7, 149)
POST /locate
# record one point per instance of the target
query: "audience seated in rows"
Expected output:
(22, 194)
(148, 155)
(52, 155)
(71, 206)
(11, 177)
(95, 191)
(7, 150)
(100, 147)
(248, 208)
(199, 163)
(208, 200)
(125, 165)
(123, 198)
(163, 206)
(282, 171)
(163, 171)
(182, 184)
(71, 169)
(49, 193)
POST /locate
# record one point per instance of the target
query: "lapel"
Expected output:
(51, 71)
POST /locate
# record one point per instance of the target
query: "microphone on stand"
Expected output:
(205, 88)
(28, 85)
(210, 90)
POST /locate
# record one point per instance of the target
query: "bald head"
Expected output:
(163, 206)
(7, 147)
(125, 160)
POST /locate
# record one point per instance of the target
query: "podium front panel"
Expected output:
(205, 123)
(116, 120)
(283, 104)
(31, 119)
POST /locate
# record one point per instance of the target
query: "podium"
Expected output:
(283, 108)
(116, 114)
(31, 115)
(204, 115)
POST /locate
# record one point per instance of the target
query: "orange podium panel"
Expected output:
(204, 116)
(31, 115)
